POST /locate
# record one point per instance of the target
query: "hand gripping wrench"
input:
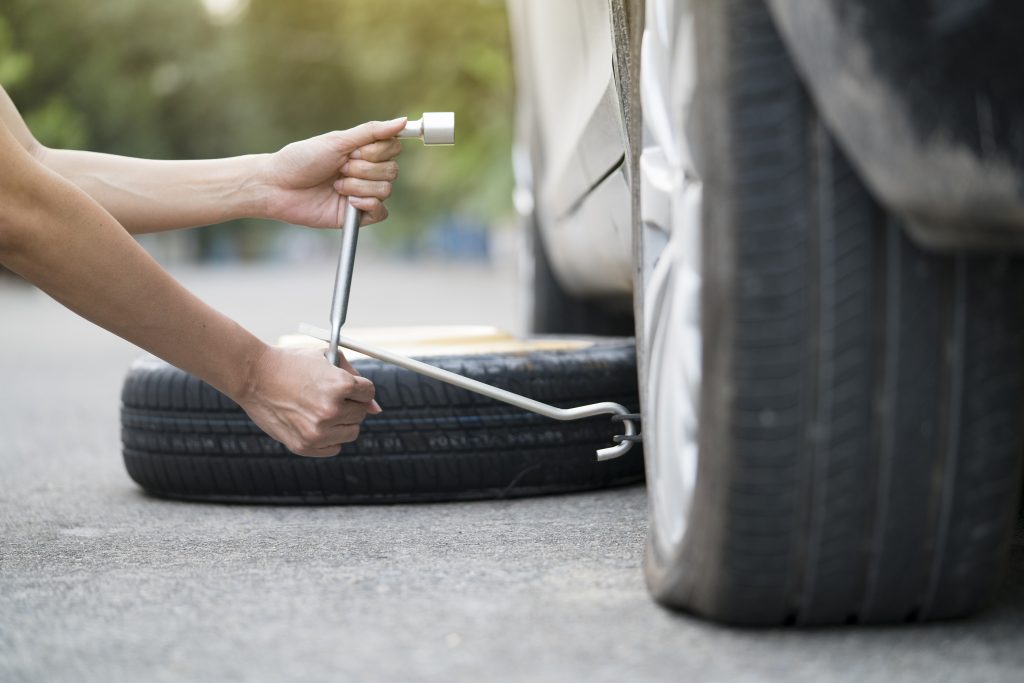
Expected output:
(435, 128)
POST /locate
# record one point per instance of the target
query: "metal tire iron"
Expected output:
(438, 128)
(434, 128)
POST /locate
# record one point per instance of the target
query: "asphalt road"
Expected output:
(99, 582)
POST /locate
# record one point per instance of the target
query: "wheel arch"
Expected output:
(918, 101)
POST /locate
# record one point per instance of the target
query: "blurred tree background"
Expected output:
(209, 78)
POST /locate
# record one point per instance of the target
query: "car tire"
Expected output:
(183, 439)
(859, 441)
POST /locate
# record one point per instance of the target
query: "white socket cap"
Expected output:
(439, 128)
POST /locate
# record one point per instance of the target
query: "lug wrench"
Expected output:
(439, 129)
(435, 128)
(618, 412)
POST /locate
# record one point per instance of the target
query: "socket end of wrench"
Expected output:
(439, 128)
(435, 128)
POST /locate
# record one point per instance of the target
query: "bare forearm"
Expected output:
(150, 196)
(73, 249)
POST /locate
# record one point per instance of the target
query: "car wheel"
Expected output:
(184, 439)
(831, 413)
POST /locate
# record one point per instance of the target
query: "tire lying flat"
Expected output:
(433, 442)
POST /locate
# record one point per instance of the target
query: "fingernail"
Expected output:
(399, 119)
(355, 154)
(375, 407)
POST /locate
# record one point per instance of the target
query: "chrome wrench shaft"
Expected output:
(343, 279)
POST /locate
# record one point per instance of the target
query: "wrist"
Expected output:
(255, 188)
(244, 386)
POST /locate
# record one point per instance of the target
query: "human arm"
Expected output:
(306, 183)
(61, 240)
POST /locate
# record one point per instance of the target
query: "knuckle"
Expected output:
(299, 447)
(345, 383)
(308, 436)
(384, 190)
(326, 411)
(338, 140)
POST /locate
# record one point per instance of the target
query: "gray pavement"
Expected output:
(99, 582)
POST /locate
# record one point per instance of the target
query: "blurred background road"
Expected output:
(99, 582)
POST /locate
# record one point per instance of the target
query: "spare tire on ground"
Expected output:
(183, 439)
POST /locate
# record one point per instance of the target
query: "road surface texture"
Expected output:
(99, 582)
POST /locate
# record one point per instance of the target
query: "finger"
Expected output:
(345, 365)
(378, 151)
(371, 170)
(350, 414)
(335, 436)
(362, 390)
(377, 216)
(366, 133)
(357, 187)
(324, 451)
(373, 210)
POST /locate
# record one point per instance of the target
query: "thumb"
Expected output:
(374, 408)
(366, 133)
(345, 365)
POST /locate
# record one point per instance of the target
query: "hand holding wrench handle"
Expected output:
(434, 128)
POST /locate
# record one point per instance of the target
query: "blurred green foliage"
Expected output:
(173, 79)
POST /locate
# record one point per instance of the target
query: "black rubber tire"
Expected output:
(183, 439)
(861, 433)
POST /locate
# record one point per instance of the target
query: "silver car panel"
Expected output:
(571, 142)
